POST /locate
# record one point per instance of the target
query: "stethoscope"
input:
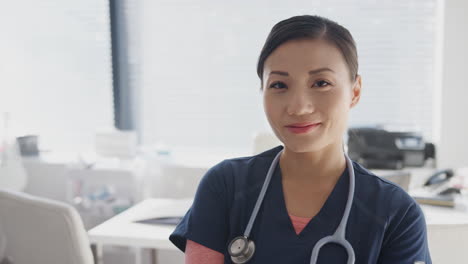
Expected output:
(242, 248)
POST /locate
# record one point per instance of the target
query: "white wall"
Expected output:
(453, 145)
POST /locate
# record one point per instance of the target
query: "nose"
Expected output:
(299, 104)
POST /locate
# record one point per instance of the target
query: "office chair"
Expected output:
(42, 231)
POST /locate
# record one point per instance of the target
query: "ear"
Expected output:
(356, 91)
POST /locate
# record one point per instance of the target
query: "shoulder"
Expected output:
(207, 221)
(371, 184)
(383, 200)
(402, 217)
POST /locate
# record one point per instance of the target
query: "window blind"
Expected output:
(55, 70)
(198, 59)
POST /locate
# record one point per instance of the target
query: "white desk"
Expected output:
(447, 233)
(122, 231)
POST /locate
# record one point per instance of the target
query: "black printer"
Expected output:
(379, 148)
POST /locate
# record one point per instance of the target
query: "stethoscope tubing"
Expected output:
(338, 237)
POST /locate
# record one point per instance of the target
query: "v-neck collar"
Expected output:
(328, 213)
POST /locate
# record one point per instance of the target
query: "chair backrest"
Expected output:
(42, 231)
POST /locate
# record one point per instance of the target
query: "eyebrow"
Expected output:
(283, 73)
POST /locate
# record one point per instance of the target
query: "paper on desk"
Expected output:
(443, 215)
(436, 215)
(153, 208)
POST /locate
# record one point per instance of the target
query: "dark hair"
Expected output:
(313, 27)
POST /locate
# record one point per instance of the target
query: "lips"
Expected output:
(301, 128)
(302, 125)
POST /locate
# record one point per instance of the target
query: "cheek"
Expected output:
(341, 98)
(340, 112)
(337, 107)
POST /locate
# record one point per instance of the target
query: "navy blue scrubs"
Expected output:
(385, 224)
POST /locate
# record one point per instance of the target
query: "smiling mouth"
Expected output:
(299, 125)
(303, 129)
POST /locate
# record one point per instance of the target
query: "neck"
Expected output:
(322, 166)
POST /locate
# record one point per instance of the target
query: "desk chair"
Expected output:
(42, 231)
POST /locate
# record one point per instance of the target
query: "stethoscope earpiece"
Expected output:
(241, 249)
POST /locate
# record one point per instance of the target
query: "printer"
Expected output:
(381, 148)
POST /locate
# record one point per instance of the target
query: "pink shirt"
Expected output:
(199, 254)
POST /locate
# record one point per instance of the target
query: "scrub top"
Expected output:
(385, 224)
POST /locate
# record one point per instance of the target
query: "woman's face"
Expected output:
(308, 81)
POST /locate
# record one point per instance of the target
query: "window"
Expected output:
(56, 77)
(198, 61)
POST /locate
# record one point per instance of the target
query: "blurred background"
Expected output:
(98, 96)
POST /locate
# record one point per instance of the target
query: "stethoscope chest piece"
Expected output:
(241, 249)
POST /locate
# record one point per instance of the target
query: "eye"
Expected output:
(321, 83)
(278, 85)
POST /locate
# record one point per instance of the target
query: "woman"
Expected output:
(243, 214)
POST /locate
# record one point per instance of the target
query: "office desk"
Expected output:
(447, 233)
(122, 231)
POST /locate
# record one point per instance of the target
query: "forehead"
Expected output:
(304, 55)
